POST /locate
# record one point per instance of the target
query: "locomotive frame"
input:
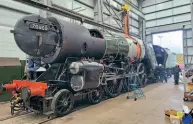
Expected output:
(85, 65)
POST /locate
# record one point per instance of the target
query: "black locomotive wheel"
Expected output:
(127, 80)
(95, 96)
(125, 86)
(141, 74)
(141, 68)
(113, 88)
(62, 103)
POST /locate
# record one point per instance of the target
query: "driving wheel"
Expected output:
(62, 103)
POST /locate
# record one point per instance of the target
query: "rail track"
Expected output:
(31, 117)
(27, 117)
(14, 116)
(75, 109)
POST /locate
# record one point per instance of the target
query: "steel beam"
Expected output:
(112, 16)
(68, 13)
(116, 20)
(98, 13)
(191, 5)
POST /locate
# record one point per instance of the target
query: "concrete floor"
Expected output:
(120, 110)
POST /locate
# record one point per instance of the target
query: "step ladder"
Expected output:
(134, 87)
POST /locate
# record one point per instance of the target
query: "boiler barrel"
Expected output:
(76, 41)
(55, 40)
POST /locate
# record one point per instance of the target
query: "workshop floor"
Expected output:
(120, 110)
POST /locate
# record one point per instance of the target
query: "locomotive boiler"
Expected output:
(84, 62)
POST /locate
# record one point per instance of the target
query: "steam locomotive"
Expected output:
(166, 58)
(84, 63)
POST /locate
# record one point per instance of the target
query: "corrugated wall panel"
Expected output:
(161, 1)
(188, 60)
(88, 2)
(185, 59)
(164, 28)
(175, 3)
(150, 16)
(163, 6)
(19, 6)
(148, 2)
(133, 15)
(88, 11)
(188, 46)
(163, 13)
(9, 17)
(182, 9)
(134, 30)
(164, 21)
(190, 50)
(189, 42)
(149, 9)
(115, 23)
(149, 38)
(113, 3)
(69, 4)
(134, 23)
(64, 3)
(61, 17)
(151, 23)
(180, 2)
(181, 18)
(8, 47)
(189, 33)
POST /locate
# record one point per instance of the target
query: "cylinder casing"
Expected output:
(85, 75)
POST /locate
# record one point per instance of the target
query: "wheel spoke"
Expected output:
(59, 106)
(68, 98)
(61, 109)
(64, 96)
(111, 89)
(94, 95)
